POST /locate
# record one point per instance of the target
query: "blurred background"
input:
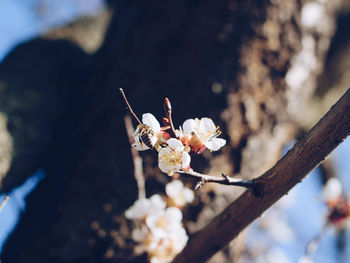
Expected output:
(265, 72)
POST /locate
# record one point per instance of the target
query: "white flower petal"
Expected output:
(138, 210)
(207, 125)
(186, 159)
(180, 241)
(175, 144)
(139, 146)
(189, 195)
(163, 166)
(157, 202)
(176, 167)
(189, 126)
(174, 215)
(333, 189)
(215, 144)
(174, 188)
(151, 121)
(164, 151)
(151, 220)
(139, 234)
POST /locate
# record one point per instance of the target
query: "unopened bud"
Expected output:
(167, 105)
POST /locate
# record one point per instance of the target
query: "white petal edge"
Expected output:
(189, 195)
(175, 144)
(173, 188)
(174, 214)
(215, 144)
(333, 189)
(150, 120)
(163, 166)
(140, 146)
(207, 125)
(157, 201)
(188, 126)
(138, 210)
(186, 159)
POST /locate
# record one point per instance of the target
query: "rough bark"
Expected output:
(211, 58)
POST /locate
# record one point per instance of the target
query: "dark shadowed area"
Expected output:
(251, 66)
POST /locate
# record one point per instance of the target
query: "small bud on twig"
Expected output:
(167, 109)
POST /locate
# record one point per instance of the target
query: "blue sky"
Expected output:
(20, 20)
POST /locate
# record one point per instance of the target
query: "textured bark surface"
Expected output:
(223, 59)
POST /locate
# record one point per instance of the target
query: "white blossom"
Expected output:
(167, 236)
(161, 235)
(142, 207)
(178, 193)
(165, 221)
(149, 125)
(173, 157)
(164, 249)
(203, 132)
(333, 189)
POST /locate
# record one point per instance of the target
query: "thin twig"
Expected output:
(224, 179)
(168, 110)
(138, 173)
(315, 241)
(129, 107)
(3, 202)
(309, 152)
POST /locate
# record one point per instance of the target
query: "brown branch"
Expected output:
(168, 110)
(312, 149)
(3, 202)
(226, 180)
(138, 173)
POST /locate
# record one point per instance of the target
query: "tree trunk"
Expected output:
(237, 62)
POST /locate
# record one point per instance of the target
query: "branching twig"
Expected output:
(226, 180)
(312, 149)
(168, 110)
(129, 107)
(139, 177)
(3, 202)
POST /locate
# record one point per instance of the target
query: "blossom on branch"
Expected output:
(173, 157)
(202, 134)
(178, 194)
(148, 133)
(143, 207)
(168, 237)
(158, 230)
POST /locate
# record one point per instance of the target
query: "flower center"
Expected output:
(162, 222)
(173, 158)
(208, 135)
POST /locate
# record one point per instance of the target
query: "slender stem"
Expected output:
(226, 180)
(129, 107)
(315, 241)
(3, 202)
(168, 110)
(137, 160)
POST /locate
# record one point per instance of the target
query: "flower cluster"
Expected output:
(158, 221)
(338, 203)
(174, 152)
